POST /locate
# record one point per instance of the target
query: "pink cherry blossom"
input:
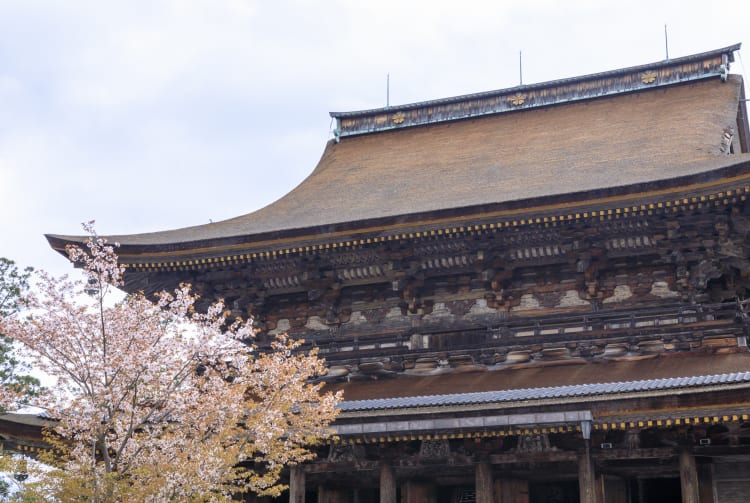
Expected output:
(158, 402)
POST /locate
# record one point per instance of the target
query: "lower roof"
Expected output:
(664, 373)
(574, 390)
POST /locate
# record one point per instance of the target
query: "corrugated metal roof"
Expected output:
(576, 390)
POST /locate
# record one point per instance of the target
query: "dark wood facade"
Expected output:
(528, 295)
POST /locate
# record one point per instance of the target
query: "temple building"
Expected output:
(528, 295)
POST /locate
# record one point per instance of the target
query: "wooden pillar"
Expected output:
(586, 477)
(688, 478)
(322, 494)
(296, 484)
(706, 483)
(483, 484)
(387, 484)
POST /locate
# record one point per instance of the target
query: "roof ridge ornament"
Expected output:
(648, 77)
(663, 73)
(517, 99)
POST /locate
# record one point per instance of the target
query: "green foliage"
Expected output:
(13, 285)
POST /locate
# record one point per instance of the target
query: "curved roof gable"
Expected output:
(630, 138)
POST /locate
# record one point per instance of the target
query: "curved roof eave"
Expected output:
(508, 164)
(714, 177)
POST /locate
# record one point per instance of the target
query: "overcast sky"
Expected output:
(152, 115)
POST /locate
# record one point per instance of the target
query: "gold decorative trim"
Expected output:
(399, 118)
(648, 77)
(476, 435)
(517, 99)
(673, 421)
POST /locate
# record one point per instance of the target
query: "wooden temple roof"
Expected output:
(611, 395)
(564, 380)
(550, 392)
(637, 136)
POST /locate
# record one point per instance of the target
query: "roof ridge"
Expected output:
(548, 83)
(623, 80)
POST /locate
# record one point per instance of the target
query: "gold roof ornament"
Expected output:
(517, 99)
(648, 77)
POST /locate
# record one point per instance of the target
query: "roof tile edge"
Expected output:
(548, 392)
(669, 72)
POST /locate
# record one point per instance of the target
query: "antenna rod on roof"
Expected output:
(666, 42)
(387, 90)
(520, 69)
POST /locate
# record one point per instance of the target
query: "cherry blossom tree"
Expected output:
(158, 402)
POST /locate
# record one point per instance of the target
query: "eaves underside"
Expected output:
(541, 423)
(559, 415)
